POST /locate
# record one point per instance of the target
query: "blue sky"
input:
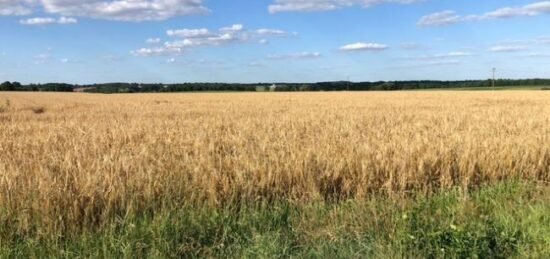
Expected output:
(169, 41)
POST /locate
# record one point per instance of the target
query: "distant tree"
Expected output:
(6, 86)
(17, 86)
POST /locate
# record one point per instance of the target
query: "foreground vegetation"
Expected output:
(509, 220)
(408, 174)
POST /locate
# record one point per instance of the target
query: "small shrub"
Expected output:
(545, 89)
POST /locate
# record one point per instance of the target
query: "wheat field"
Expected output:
(69, 161)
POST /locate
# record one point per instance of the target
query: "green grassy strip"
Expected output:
(508, 220)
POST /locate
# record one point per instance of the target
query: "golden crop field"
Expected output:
(79, 159)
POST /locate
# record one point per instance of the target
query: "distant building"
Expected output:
(273, 88)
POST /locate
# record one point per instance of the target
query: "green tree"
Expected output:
(7, 86)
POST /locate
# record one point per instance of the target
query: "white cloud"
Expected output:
(326, 5)
(66, 20)
(189, 33)
(450, 17)
(271, 32)
(38, 21)
(360, 46)
(275, 33)
(300, 55)
(507, 48)
(15, 7)
(440, 18)
(153, 41)
(191, 38)
(119, 10)
(454, 54)
(159, 51)
(233, 28)
(48, 21)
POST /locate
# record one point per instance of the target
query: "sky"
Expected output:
(249, 41)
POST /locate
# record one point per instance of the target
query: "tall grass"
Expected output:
(92, 160)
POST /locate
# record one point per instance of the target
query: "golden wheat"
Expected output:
(84, 158)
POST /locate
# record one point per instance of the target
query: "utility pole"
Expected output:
(494, 77)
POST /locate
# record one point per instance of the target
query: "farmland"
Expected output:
(441, 173)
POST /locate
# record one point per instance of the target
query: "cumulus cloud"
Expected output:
(48, 21)
(360, 46)
(233, 28)
(119, 10)
(15, 7)
(450, 17)
(300, 55)
(326, 5)
(189, 33)
(183, 39)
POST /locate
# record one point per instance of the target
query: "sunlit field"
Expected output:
(447, 174)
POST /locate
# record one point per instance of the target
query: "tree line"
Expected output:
(320, 86)
(50, 87)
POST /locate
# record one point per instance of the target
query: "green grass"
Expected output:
(508, 220)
